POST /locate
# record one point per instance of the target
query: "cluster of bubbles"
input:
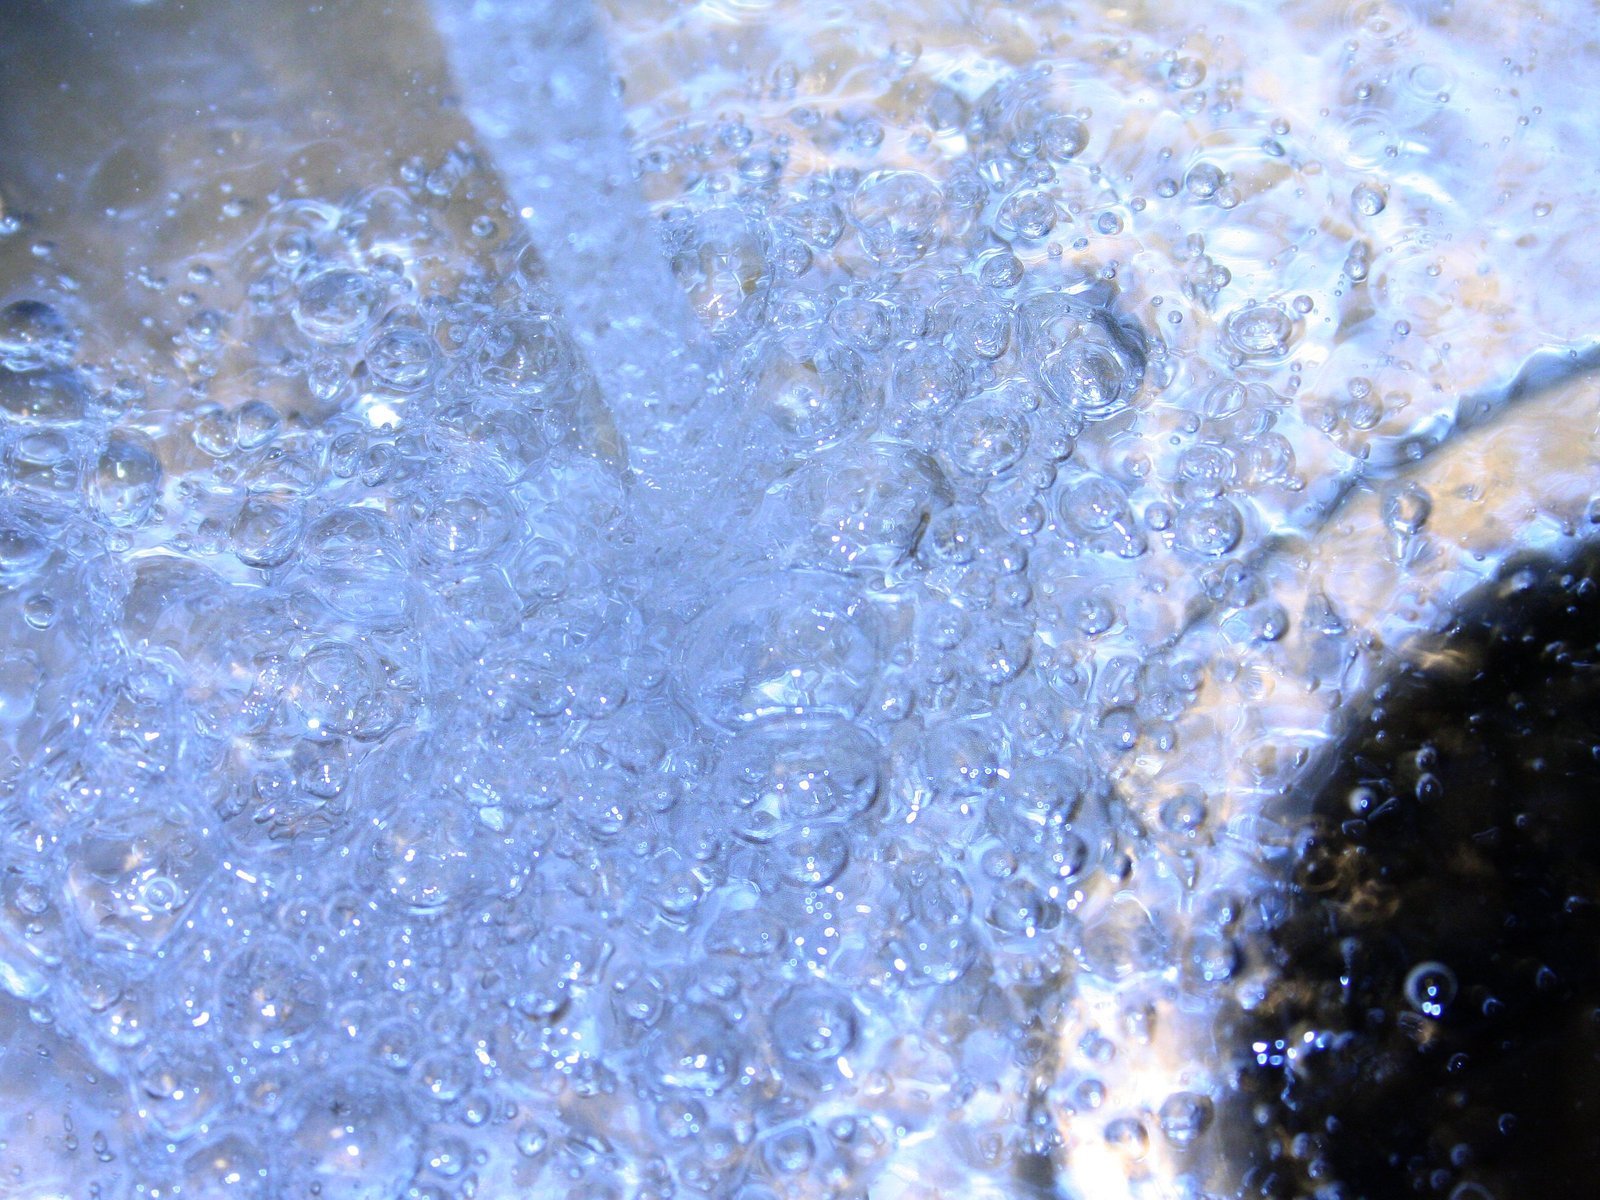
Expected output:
(395, 808)
(369, 791)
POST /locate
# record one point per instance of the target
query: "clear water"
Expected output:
(821, 712)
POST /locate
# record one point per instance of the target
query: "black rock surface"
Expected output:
(1462, 828)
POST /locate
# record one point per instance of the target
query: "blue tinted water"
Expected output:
(742, 635)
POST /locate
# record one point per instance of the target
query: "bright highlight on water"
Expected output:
(736, 599)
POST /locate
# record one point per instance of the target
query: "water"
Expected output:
(1438, 947)
(832, 709)
(538, 89)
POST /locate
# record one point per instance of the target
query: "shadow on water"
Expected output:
(1436, 1026)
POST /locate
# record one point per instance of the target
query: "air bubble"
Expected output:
(1088, 377)
(868, 507)
(928, 380)
(1203, 181)
(336, 307)
(43, 395)
(814, 1026)
(34, 334)
(274, 992)
(266, 531)
(1028, 215)
(811, 396)
(898, 215)
(20, 676)
(1209, 528)
(1367, 200)
(1406, 509)
(523, 354)
(1063, 138)
(1430, 987)
(1260, 331)
(1187, 73)
(694, 1050)
(401, 357)
(986, 437)
(1184, 1117)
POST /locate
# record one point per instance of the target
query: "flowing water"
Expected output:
(752, 598)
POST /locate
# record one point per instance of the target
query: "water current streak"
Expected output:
(538, 86)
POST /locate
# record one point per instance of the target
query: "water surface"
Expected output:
(769, 629)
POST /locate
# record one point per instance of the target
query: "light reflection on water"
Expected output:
(870, 774)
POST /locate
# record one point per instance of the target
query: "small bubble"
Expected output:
(1187, 73)
(928, 379)
(898, 215)
(1063, 138)
(1406, 509)
(986, 437)
(1210, 528)
(1367, 200)
(20, 677)
(1203, 180)
(1358, 262)
(1029, 215)
(1127, 1135)
(336, 307)
(255, 424)
(34, 334)
(402, 357)
(867, 134)
(127, 480)
(205, 329)
(266, 531)
(1091, 378)
(44, 395)
(39, 611)
(1430, 987)
(905, 52)
(1184, 1117)
(1260, 330)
